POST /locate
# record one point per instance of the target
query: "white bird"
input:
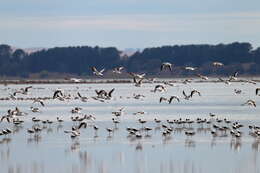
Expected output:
(217, 64)
(135, 75)
(190, 68)
(118, 70)
(202, 77)
(76, 80)
(96, 72)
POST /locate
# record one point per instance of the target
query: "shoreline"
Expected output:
(114, 81)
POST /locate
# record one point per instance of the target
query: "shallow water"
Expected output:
(54, 151)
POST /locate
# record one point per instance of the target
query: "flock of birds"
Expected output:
(215, 126)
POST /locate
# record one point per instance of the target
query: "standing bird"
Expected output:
(256, 91)
(96, 72)
(166, 65)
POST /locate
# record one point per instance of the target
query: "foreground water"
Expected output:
(54, 151)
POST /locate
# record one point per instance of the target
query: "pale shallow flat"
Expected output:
(54, 151)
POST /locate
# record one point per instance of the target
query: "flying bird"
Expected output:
(202, 77)
(159, 88)
(166, 65)
(173, 97)
(57, 94)
(138, 83)
(162, 99)
(135, 75)
(190, 68)
(217, 64)
(250, 103)
(118, 70)
(39, 101)
(96, 72)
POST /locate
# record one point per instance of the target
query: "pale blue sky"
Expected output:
(128, 23)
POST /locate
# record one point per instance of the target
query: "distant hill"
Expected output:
(30, 50)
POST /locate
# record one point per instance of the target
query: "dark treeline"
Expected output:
(78, 60)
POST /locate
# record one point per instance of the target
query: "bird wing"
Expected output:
(101, 71)
(79, 94)
(110, 92)
(42, 103)
(27, 88)
(170, 67)
(135, 80)
(183, 92)
(94, 69)
(55, 95)
(162, 98)
(171, 98)
(83, 124)
(162, 66)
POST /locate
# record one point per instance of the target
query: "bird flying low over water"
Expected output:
(138, 83)
(225, 81)
(169, 100)
(96, 72)
(166, 65)
(187, 97)
(202, 77)
(83, 99)
(190, 68)
(135, 75)
(250, 103)
(217, 64)
(118, 70)
(39, 101)
(104, 94)
(22, 91)
(233, 77)
(159, 88)
(58, 93)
